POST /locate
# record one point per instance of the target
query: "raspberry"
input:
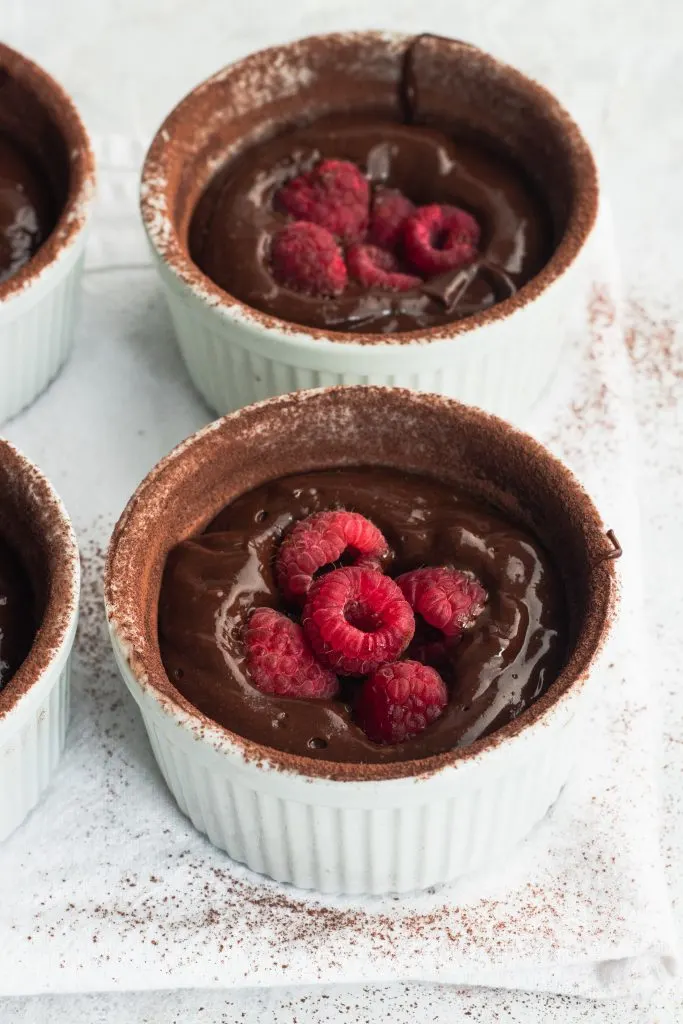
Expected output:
(448, 599)
(398, 701)
(334, 195)
(390, 208)
(280, 661)
(306, 258)
(356, 619)
(377, 268)
(323, 538)
(439, 238)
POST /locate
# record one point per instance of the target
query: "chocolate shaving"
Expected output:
(450, 287)
(617, 550)
(407, 89)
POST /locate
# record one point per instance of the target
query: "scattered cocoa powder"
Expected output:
(92, 643)
(655, 348)
(587, 422)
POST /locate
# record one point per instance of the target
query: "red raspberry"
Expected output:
(398, 701)
(280, 661)
(439, 238)
(448, 599)
(377, 268)
(306, 258)
(356, 619)
(323, 538)
(334, 195)
(390, 208)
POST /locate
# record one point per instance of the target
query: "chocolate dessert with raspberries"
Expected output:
(362, 615)
(357, 222)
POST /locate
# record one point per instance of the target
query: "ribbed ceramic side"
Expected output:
(503, 366)
(36, 337)
(30, 753)
(392, 846)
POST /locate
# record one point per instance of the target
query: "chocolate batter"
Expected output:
(17, 613)
(26, 214)
(510, 657)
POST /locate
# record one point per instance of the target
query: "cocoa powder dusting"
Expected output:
(91, 639)
(587, 421)
(656, 353)
(192, 907)
(586, 428)
(102, 702)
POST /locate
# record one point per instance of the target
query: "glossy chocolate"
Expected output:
(17, 613)
(239, 214)
(26, 214)
(497, 670)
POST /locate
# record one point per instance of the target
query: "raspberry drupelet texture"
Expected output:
(280, 660)
(440, 238)
(376, 268)
(307, 259)
(448, 599)
(322, 539)
(400, 700)
(334, 195)
(390, 209)
(357, 619)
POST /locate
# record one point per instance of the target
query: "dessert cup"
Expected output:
(500, 359)
(34, 704)
(347, 827)
(38, 302)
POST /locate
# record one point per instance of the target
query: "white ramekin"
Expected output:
(34, 706)
(38, 304)
(500, 360)
(324, 825)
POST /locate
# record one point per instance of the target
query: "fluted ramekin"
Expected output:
(352, 828)
(500, 359)
(38, 304)
(34, 705)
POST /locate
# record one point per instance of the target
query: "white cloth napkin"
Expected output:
(107, 886)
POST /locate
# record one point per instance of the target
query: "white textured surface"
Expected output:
(618, 69)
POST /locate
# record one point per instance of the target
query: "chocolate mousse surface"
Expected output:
(239, 214)
(17, 613)
(27, 213)
(508, 659)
